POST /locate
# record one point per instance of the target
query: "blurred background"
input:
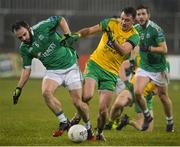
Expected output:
(79, 14)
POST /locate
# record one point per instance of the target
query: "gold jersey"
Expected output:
(105, 55)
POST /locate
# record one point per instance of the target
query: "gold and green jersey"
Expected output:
(105, 55)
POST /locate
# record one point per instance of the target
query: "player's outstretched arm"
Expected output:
(23, 79)
(85, 32)
(64, 26)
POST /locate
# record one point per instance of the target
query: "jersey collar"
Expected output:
(148, 23)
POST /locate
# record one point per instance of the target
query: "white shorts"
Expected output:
(70, 78)
(120, 86)
(158, 78)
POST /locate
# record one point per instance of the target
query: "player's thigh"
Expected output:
(49, 86)
(141, 80)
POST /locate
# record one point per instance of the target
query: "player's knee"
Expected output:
(87, 98)
(47, 94)
(77, 103)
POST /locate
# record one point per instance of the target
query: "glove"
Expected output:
(110, 35)
(132, 65)
(16, 94)
(143, 47)
(129, 86)
(69, 39)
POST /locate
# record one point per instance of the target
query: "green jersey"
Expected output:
(45, 46)
(152, 35)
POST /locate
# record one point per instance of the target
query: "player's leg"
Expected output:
(74, 84)
(48, 88)
(88, 89)
(141, 81)
(90, 75)
(161, 80)
(167, 105)
(138, 122)
(104, 103)
(122, 100)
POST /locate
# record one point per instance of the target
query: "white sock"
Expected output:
(147, 113)
(61, 117)
(169, 120)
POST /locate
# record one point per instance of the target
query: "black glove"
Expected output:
(69, 39)
(132, 65)
(143, 47)
(16, 94)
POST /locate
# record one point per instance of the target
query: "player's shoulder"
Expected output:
(135, 29)
(114, 20)
(154, 26)
(137, 26)
(44, 23)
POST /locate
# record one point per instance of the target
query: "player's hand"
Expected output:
(16, 95)
(129, 86)
(69, 39)
(132, 65)
(143, 47)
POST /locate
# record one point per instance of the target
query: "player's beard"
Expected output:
(29, 41)
(143, 23)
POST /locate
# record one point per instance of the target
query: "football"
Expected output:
(77, 133)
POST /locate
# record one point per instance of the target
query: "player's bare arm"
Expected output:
(23, 79)
(64, 26)
(124, 48)
(90, 31)
(122, 71)
(25, 74)
(162, 48)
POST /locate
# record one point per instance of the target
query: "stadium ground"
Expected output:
(30, 122)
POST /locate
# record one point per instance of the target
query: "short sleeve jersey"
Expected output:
(152, 35)
(45, 46)
(105, 55)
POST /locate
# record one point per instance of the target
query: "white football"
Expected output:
(77, 133)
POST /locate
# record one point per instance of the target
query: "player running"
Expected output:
(152, 67)
(43, 42)
(118, 39)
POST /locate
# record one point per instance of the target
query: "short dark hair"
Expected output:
(16, 26)
(130, 10)
(143, 7)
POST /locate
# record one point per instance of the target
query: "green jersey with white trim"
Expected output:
(152, 35)
(45, 46)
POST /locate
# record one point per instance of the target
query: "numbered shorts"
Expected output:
(70, 77)
(104, 79)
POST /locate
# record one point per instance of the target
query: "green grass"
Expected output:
(30, 122)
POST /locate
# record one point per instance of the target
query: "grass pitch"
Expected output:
(30, 122)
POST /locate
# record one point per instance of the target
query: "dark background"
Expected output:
(83, 13)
